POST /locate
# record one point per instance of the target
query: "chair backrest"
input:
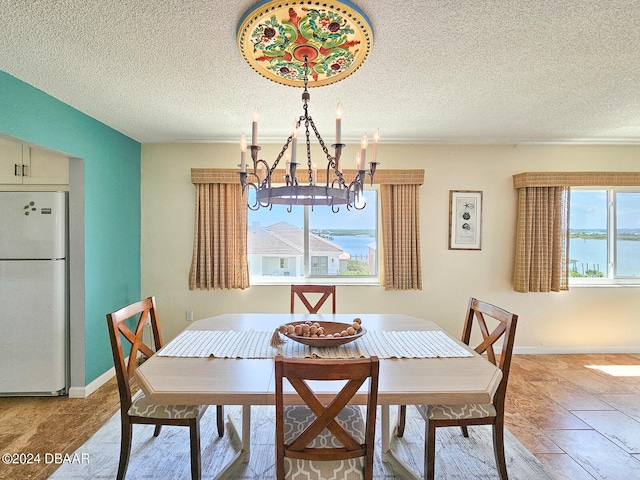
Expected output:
(326, 291)
(297, 372)
(141, 312)
(505, 329)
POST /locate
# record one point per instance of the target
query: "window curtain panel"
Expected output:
(542, 240)
(402, 267)
(220, 239)
(542, 236)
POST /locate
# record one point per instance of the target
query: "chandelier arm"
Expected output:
(331, 160)
(294, 180)
(256, 205)
(372, 170)
(359, 190)
(334, 208)
(266, 181)
(361, 175)
(353, 189)
(252, 175)
(254, 156)
(334, 181)
(243, 181)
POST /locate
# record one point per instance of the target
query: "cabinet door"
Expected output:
(10, 162)
(46, 168)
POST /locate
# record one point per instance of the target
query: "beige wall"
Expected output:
(581, 320)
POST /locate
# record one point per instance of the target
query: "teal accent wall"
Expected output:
(111, 202)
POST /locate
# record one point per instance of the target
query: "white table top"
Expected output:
(227, 381)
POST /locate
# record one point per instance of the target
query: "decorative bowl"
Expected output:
(329, 327)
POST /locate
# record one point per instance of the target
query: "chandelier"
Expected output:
(304, 43)
(334, 192)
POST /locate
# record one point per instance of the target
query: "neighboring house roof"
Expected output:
(288, 240)
(262, 240)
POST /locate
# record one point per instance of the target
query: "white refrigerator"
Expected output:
(33, 293)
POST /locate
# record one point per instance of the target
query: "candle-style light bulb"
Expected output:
(287, 164)
(243, 153)
(363, 151)
(294, 143)
(376, 138)
(254, 126)
(339, 123)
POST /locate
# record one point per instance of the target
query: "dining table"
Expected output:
(228, 359)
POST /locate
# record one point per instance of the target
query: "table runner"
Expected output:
(256, 344)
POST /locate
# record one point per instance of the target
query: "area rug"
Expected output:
(167, 456)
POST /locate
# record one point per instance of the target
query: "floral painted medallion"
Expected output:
(274, 37)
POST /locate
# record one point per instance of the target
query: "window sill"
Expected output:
(316, 281)
(603, 285)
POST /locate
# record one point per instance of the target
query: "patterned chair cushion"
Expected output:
(142, 407)
(296, 419)
(455, 412)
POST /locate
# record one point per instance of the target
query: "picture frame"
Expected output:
(465, 220)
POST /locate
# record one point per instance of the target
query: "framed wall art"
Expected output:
(465, 220)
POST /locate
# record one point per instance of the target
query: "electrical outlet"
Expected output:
(189, 315)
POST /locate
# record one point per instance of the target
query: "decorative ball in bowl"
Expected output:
(323, 334)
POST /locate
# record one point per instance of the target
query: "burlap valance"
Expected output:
(229, 175)
(576, 179)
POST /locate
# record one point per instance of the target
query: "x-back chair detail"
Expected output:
(474, 414)
(136, 408)
(301, 290)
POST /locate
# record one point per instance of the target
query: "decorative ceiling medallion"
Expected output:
(275, 36)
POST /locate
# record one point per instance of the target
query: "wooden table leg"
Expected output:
(242, 456)
(388, 456)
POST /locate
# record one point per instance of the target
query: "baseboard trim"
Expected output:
(575, 350)
(84, 392)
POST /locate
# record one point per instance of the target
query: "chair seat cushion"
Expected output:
(457, 412)
(142, 407)
(296, 419)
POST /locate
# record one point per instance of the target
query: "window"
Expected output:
(320, 265)
(312, 244)
(604, 244)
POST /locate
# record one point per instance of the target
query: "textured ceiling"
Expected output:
(467, 71)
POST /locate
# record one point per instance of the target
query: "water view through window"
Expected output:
(337, 244)
(604, 234)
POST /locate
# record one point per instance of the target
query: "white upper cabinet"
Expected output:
(10, 162)
(24, 165)
(46, 168)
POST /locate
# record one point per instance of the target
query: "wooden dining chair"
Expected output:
(137, 409)
(301, 292)
(474, 414)
(319, 439)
